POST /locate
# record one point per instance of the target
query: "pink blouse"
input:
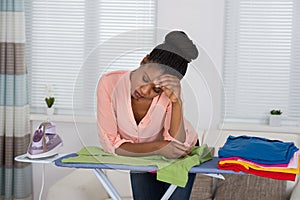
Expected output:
(115, 119)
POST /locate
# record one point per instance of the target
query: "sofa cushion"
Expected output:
(202, 188)
(249, 187)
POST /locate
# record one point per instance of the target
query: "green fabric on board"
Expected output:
(173, 171)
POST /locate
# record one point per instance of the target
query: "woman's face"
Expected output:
(142, 86)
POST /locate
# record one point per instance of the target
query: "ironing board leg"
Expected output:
(107, 184)
(169, 192)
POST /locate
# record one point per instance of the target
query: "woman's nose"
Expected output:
(146, 89)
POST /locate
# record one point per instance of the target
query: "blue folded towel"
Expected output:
(257, 149)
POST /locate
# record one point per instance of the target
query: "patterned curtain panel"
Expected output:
(15, 177)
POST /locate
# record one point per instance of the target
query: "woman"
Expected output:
(139, 112)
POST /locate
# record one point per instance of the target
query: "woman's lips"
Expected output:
(137, 94)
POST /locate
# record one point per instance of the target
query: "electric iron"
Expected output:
(45, 142)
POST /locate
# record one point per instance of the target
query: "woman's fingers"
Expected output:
(175, 149)
(179, 146)
(167, 80)
(170, 85)
(182, 148)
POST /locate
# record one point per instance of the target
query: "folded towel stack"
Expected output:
(260, 156)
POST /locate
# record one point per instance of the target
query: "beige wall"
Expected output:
(203, 21)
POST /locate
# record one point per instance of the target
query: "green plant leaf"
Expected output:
(275, 112)
(49, 101)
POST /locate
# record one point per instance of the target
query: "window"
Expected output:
(62, 35)
(261, 60)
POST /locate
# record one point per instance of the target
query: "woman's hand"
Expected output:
(173, 150)
(170, 85)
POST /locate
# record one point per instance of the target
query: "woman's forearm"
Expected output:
(177, 130)
(141, 149)
(168, 149)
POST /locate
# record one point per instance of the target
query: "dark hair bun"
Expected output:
(179, 43)
(174, 53)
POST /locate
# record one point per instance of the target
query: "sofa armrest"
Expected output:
(295, 190)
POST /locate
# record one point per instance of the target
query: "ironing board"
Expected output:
(209, 167)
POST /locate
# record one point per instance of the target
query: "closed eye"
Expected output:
(145, 79)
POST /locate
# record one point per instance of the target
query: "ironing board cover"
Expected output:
(209, 167)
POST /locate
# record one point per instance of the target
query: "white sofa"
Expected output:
(83, 184)
(295, 194)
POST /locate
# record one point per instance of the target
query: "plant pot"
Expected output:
(275, 120)
(50, 111)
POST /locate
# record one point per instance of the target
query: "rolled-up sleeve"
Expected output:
(108, 134)
(191, 135)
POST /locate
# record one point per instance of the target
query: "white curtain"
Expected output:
(63, 34)
(261, 60)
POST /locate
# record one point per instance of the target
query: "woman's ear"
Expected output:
(145, 60)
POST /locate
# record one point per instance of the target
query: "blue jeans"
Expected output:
(145, 186)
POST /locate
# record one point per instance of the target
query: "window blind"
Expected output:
(62, 36)
(261, 60)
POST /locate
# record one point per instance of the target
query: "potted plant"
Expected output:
(50, 101)
(275, 118)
